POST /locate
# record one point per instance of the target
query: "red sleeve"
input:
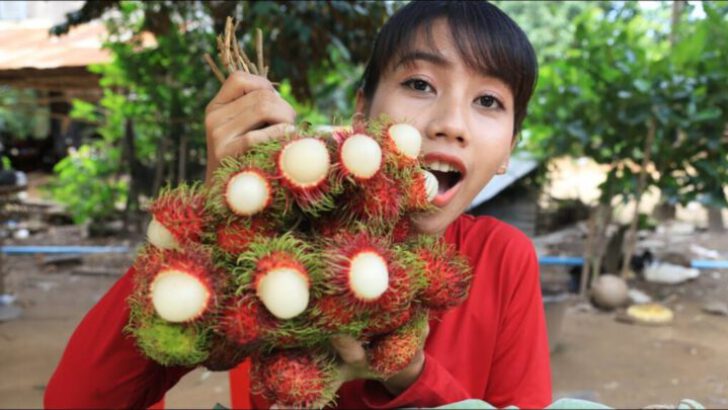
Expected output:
(101, 366)
(435, 386)
(521, 372)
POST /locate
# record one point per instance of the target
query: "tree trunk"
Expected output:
(182, 164)
(715, 219)
(588, 252)
(160, 165)
(631, 237)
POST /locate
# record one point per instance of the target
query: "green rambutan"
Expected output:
(178, 217)
(296, 378)
(169, 344)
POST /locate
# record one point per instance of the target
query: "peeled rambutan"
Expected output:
(178, 217)
(296, 378)
(447, 273)
(303, 166)
(180, 286)
(357, 266)
(279, 271)
(359, 157)
(389, 354)
(407, 139)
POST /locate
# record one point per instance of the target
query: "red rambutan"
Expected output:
(389, 354)
(178, 217)
(296, 378)
(447, 273)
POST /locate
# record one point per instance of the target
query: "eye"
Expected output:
(418, 85)
(488, 101)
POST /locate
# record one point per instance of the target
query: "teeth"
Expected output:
(441, 166)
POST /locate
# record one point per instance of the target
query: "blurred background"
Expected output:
(619, 177)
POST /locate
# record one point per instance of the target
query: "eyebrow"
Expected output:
(430, 57)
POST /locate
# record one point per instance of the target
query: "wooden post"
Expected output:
(631, 237)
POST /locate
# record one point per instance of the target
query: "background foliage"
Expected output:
(608, 71)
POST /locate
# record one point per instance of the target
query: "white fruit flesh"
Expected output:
(431, 185)
(407, 139)
(247, 193)
(178, 296)
(160, 236)
(284, 292)
(305, 162)
(361, 155)
(368, 276)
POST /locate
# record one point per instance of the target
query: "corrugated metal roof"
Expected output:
(25, 46)
(519, 165)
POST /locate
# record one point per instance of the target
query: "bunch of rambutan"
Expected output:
(293, 242)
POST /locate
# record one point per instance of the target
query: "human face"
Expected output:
(465, 117)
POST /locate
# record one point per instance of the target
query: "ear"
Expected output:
(360, 107)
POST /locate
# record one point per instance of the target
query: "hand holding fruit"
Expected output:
(246, 111)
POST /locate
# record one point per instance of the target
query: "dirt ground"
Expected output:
(597, 358)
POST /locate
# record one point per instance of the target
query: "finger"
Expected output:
(237, 85)
(253, 111)
(242, 143)
(248, 113)
(272, 132)
(350, 350)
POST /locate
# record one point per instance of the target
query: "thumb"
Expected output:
(350, 350)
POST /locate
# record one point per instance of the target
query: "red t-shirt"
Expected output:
(493, 347)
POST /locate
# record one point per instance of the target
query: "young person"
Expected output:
(462, 73)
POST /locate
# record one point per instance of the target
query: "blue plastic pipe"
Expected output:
(577, 261)
(25, 250)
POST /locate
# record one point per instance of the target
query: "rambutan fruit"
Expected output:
(360, 267)
(180, 286)
(170, 344)
(296, 378)
(241, 322)
(448, 274)
(234, 238)
(379, 323)
(406, 139)
(333, 313)
(225, 354)
(248, 192)
(377, 201)
(360, 157)
(402, 230)
(178, 217)
(246, 185)
(280, 271)
(389, 354)
(303, 166)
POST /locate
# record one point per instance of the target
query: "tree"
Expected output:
(621, 97)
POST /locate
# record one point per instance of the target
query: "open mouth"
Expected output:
(449, 172)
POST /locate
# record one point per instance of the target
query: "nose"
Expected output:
(447, 121)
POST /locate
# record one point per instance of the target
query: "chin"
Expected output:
(434, 223)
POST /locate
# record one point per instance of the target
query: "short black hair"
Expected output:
(488, 41)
